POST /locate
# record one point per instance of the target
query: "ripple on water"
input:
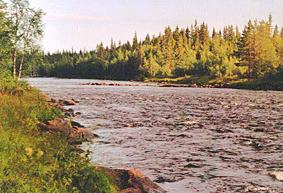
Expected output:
(194, 140)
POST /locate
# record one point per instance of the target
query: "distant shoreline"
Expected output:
(191, 82)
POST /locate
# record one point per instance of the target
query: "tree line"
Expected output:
(255, 52)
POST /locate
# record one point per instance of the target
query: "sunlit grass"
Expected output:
(35, 161)
(227, 82)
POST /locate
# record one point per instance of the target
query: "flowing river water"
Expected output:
(187, 139)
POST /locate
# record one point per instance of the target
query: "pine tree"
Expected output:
(100, 51)
(214, 34)
(135, 44)
(147, 40)
(195, 36)
(276, 32)
(204, 34)
(168, 51)
(247, 47)
(188, 33)
(179, 50)
(176, 34)
(152, 67)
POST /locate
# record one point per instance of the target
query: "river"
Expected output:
(187, 139)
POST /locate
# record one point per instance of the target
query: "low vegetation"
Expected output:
(271, 82)
(35, 161)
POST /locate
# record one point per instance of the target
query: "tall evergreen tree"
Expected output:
(204, 34)
(247, 47)
(135, 44)
(168, 51)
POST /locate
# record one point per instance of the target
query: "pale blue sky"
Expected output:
(81, 24)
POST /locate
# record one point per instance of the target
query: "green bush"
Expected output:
(12, 87)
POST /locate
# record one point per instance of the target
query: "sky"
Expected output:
(82, 24)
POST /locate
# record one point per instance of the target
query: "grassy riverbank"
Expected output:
(274, 83)
(32, 160)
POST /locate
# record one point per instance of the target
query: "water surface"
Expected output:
(188, 139)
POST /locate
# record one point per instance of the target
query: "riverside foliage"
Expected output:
(32, 160)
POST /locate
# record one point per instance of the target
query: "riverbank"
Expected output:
(36, 160)
(39, 148)
(210, 82)
(125, 180)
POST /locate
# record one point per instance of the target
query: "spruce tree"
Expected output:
(135, 43)
(246, 46)
(168, 51)
(204, 34)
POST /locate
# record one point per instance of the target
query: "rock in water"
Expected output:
(76, 124)
(133, 181)
(69, 102)
(277, 175)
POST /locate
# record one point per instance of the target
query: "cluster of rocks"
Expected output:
(128, 180)
(192, 85)
(159, 85)
(75, 132)
(108, 84)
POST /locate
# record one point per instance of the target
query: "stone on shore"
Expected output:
(75, 131)
(69, 102)
(133, 181)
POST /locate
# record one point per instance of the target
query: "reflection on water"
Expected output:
(191, 140)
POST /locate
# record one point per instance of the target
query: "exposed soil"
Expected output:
(186, 139)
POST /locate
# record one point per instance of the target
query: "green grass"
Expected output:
(198, 80)
(227, 82)
(34, 161)
(262, 84)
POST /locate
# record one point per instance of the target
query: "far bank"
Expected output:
(274, 83)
